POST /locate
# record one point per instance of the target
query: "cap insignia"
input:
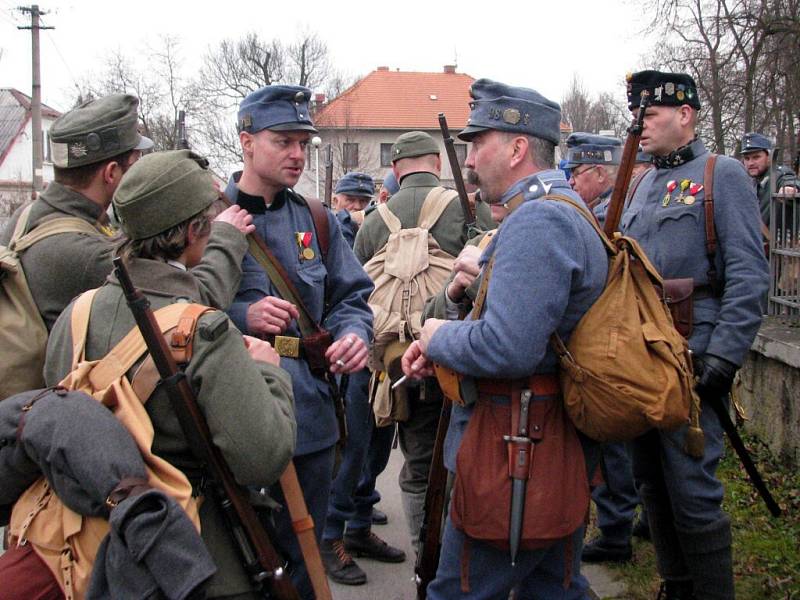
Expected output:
(511, 116)
(77, 150)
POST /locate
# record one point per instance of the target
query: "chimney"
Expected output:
(383, 68)
(319, 99)
(450, 69)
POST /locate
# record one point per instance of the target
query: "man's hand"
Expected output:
(714, 375)
(428, 329)
(238, 217)
(466, 269)
(347, 355)
(261, 350)
(270, 315)
(414, 362)
(788, 191)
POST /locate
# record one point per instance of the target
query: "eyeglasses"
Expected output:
(576, 173)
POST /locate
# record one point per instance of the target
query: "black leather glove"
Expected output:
(714, 375)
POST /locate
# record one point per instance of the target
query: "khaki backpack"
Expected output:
(408, 270)
(626, 369)
(23, 334)
(66, 541)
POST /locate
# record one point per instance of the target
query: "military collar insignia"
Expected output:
(675, 158)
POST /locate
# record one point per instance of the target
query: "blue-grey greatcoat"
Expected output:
(550, 267)
(341, 277)
(681, 493)
(601, 208)
(335, 292)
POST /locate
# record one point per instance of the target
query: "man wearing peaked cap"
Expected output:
(667, 216)
(351, 196)
(274, 130)
(92, 147)
(593, 161)
(757, 160)
(165, 204)
(548, 266)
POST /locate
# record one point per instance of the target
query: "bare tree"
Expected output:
(576, 105)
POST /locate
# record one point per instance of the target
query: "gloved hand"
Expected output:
(714, 375)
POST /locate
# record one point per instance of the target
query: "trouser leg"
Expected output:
(417, 437)
(366, 495)
(709, 558)
(341, 506)
(616, 499)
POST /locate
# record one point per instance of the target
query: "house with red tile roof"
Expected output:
(362, 123)
(16, 148)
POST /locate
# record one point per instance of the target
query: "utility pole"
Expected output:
(36, 95)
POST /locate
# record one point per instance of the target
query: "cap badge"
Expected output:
(669, 88)
(77, 150)
(680, 95)
(511, 116)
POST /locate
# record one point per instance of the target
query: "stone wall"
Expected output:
(769, 388)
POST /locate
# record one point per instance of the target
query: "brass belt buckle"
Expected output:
(287, 346)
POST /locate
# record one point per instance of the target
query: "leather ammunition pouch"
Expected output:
(314, 348)
(678, 294)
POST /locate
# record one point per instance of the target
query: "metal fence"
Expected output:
(784, 268)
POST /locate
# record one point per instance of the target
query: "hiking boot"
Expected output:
(641, 530)
(379, 517)
(339, 565)
(601, 550)
(363, 542)
(675, 590)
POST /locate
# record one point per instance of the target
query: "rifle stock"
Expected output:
(260, 557)
(430, 534)
(449, 146)
(625, 170)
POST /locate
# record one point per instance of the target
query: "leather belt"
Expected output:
(540, 385)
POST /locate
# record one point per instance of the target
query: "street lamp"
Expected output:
(316, 141)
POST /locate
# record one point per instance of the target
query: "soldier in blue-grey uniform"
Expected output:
(757, 160)
(691, 533)
(351, 196)
(593, 161)
(274, 129)
(353, 494)
(534, 290)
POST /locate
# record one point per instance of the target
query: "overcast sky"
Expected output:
(533, 44)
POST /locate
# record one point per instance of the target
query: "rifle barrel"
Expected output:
(449, 146)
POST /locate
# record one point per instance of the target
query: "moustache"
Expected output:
(472, 178)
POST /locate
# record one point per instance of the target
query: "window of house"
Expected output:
(386, 155)
(461, 153)
(349, 156)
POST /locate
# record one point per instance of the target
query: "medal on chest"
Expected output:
(304, 245)
(671, 185)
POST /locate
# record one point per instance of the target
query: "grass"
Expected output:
(766, 549)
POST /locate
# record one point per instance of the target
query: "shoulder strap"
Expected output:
(634, 186)
(437, 200)
(711, 230)
(389, 218)
(320, 216)
(279, 277)
(80, 324)
(581, 208)
(480, 298)
(19, 228)
(48, 228)
(486, 239)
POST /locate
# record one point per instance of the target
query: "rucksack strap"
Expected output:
(390, 220)
(711, 230)
(437, 200)
(319, 214)
(581, 208)
(21, 242)
(131, 347)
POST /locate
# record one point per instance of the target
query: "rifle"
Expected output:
(625, 169)
(328, 176)
(430, 534)
(744, 456)
(181, 141)
(260, 558)
(450, 147)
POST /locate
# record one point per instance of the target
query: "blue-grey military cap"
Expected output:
(356, 184)
(503, 107)
(277, 108)
(390, 183)
(97, 130)
(590, 149)
(754, 142)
